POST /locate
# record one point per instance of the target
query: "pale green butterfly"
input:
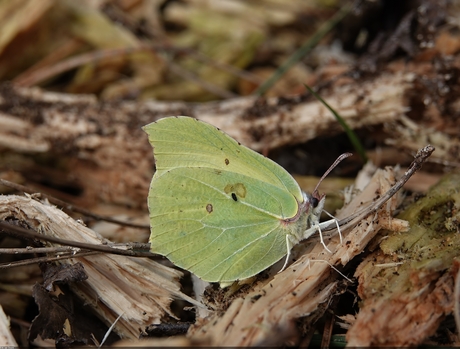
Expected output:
(219, 209)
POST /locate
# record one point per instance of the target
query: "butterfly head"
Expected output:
(314, 204)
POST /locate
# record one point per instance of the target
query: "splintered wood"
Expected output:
(6, 337)
(138, 289)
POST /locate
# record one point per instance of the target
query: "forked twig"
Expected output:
(421, 156)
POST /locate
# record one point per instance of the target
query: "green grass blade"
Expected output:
(302, 51)
(351, 135)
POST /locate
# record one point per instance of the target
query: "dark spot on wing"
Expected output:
(209, 208)
(227, 162)
(234, 197)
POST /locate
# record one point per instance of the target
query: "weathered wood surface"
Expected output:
(100, 151)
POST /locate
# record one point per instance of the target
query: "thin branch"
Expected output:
(421, 156)
(46, 259)
(34, 250)
(101, 248)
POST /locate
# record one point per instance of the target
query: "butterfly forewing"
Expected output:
(187, 142)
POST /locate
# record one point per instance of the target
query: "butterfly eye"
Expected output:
(314, 202)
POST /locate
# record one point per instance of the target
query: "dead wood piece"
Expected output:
(407, 286)
(403, 322)
(140, 290)
(102, 146)
(409, 136)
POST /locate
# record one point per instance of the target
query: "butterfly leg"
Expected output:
(338, 229)
(289, 244)
(317, 226)
(336, 221)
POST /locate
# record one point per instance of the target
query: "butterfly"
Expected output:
(217, 208)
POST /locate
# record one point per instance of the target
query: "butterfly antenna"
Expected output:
(336, 162)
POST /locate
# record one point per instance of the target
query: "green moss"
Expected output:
(428, 248)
